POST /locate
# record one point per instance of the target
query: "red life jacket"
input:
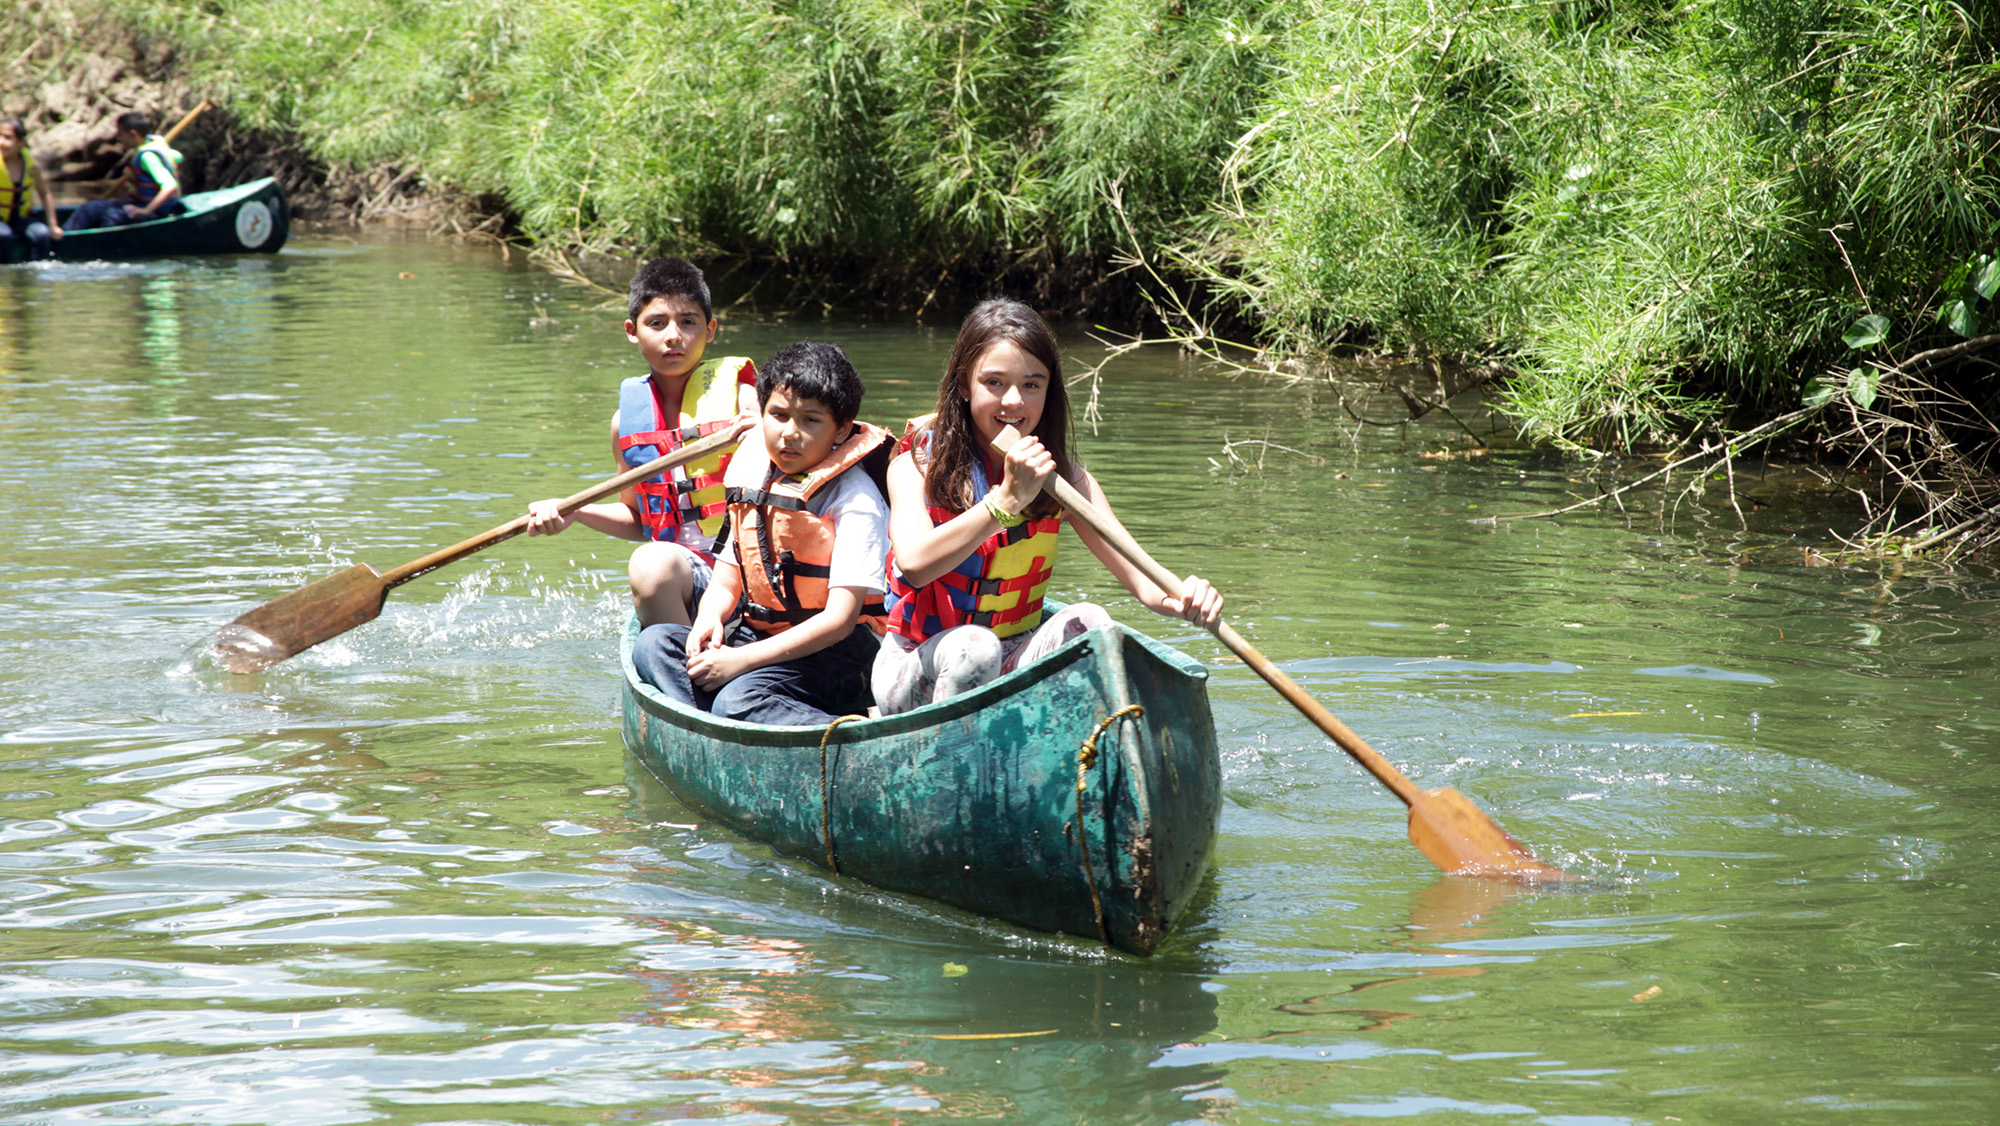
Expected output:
(687, 504)
(999, 586)
(784, 550)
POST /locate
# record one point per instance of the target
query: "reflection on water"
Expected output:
(160, 332)
(410, 874)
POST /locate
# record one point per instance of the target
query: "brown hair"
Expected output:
(948, 481)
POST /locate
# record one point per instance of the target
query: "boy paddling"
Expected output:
(787, 630)
(682, 397)
(156, 185)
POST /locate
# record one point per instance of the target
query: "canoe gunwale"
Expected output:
(855, 731)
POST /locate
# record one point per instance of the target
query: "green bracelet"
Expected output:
(1002, 517)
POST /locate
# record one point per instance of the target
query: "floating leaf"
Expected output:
(1867, 332)
(984, 1035)
(954, 969)
(1647, 993)
(1594, 715)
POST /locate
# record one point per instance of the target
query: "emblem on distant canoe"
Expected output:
(253, 224)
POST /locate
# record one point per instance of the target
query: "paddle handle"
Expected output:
(693, 451)
(184, 122)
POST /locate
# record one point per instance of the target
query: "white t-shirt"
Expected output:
(860, 531)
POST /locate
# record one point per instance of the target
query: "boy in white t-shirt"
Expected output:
(776, 638)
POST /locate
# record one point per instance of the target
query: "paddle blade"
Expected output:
(1460, 838)
(301, 619)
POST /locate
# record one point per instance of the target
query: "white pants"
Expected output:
(909, 675)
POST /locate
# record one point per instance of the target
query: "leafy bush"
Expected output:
(1653, 212)
(838, 125)
(1645, 206)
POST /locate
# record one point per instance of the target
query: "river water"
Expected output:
(413, 875)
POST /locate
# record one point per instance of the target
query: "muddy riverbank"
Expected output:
(76, 67)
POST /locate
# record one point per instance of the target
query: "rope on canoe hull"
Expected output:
(1085, 759)
(826, 794)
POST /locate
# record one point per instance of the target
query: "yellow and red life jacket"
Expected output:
(785, 551)
(686, 504)
(999, 586)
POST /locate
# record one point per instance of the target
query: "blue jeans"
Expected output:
(36, 234)
(111, 213)
(810, 691)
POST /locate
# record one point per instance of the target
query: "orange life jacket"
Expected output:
(784, 550)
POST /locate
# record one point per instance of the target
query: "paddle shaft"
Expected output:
(1090, 516)
(354, 595)
(721, 439)
(184, 122)
(1444, 824)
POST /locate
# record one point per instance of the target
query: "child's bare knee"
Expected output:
(656, 566)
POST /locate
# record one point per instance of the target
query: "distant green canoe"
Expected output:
(244, 219)
(987, 801)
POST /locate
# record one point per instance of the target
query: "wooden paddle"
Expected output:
(1444, 824)
(335, 604)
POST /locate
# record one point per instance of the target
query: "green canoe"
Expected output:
(988, 801)
(246, 218)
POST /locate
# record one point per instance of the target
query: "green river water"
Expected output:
(413, 875)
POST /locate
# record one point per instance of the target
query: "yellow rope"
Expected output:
(826, 794)
(1085, 759)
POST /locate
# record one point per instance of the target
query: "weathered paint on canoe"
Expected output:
(247, 218)
(974, 801)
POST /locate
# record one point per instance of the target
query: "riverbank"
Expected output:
(80, 65)
(1661, 226)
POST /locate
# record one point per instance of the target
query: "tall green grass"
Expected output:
(894, 126)
(1654, 212)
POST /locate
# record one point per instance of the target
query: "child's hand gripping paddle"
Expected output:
(335, 604)
(1444, 824)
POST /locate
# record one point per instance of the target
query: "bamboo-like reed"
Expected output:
(1653, 213)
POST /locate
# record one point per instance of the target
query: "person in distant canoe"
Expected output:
(681, 398)
(21, 183)
(973, 537)
(156, 184)
(788, 630)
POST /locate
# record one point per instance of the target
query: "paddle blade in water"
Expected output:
(1461, 839)
(302, 619)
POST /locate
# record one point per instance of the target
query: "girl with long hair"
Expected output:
(973, 537)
